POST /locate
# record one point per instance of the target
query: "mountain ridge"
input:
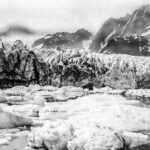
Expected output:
(16, 29)
(63, 39)
(138, 23)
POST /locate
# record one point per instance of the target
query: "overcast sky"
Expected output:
(64, 15)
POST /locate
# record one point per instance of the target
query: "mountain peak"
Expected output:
(138, 23)
(81, 29)
(143, 10)
(145, 7)
(64, 39)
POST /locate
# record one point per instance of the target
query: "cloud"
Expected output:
(64, 14)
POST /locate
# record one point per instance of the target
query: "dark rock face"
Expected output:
(88, 86)
(138, 23)
(133, 45)
(64, 39)
(21, 67)
(141, 147)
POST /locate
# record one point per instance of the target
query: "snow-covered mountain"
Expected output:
(136, 24)
(63, 39)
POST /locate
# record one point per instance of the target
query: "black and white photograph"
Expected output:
(74, 74)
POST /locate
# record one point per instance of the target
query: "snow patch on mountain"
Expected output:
(135, 16)
(48, 36)
(148, 27)
(125, 27)
(110, 35)
(146, 33)
(103, 45)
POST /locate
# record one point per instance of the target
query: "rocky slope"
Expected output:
(138, 23)
(133, 45)
(64, 39)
